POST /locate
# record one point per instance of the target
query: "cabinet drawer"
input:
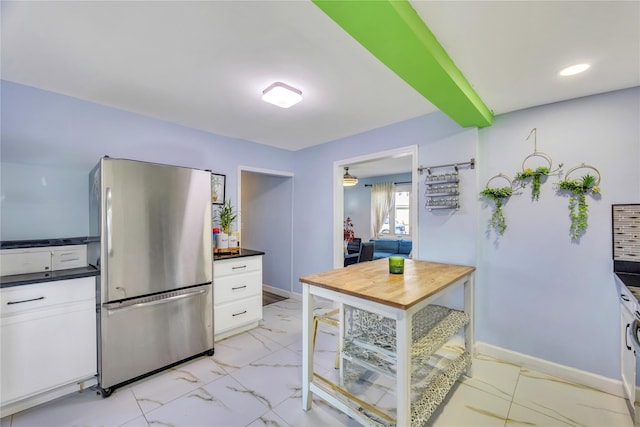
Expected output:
(242, 265)
(231, 288)
(41, 296)
(235, 314)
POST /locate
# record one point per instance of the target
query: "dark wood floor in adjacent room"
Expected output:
(269, 298)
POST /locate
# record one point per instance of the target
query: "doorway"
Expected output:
(265, 216)
(400, 160)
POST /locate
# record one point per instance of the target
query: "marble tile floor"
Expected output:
(254, 379)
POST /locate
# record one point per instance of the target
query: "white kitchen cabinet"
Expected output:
(237, 295)
(628, 351)
(48, 337)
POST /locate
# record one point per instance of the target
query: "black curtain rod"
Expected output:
(395, 183)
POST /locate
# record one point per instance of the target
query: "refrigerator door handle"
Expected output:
(153, 300)
(109, 221)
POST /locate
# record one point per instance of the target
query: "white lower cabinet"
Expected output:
(237, 295)
(628, 351)
(48, 338)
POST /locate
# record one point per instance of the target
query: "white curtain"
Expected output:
(381, 200)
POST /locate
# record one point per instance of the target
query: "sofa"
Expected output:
(384, 248)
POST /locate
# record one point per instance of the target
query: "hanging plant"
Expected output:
(535, 175)
(536, 179)
(578, 208)
(499, 196)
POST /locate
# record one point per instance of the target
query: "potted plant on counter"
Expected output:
(225, 216)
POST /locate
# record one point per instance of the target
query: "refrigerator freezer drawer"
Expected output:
(139, 337)
(235, 314)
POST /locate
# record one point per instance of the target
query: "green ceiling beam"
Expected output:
(394, 33)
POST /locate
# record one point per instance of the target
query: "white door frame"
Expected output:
(338, 197)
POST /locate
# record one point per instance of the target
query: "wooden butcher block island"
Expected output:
(399, 353)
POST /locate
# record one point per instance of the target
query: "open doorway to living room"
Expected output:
(380, 208)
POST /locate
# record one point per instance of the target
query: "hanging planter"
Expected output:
(535, 176)
(499, 195)
(578, 189)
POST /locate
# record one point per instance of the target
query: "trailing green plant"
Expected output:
(226, 215)
(498, 195)
(536, 179)
(578, 208)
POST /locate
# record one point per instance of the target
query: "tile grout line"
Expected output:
(513, 394)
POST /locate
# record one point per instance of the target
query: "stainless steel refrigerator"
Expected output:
(155, 295)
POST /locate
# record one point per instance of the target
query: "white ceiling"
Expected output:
(204, 64)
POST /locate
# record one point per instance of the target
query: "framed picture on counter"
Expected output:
(218, 183)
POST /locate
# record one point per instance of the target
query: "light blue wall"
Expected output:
(266, 224)
(41, 202)
(67, 136)
(313, 205)
(357, 202)
(537, 292)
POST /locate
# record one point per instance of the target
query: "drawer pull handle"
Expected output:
(238, 267)
(238, 287)
(26, 300)
(238, 314)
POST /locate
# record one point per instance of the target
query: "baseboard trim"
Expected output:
(588, 379)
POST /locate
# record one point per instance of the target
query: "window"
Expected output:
(400, 213)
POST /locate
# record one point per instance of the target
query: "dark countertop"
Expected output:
(631, 280)
(38, 243)
(628, 272)
(48, 276)
(243, 252)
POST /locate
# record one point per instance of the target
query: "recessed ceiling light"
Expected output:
(282, 95)
(574, 69)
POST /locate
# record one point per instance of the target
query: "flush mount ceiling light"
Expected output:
(574, 69)
(348, 180)
(282, 95)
